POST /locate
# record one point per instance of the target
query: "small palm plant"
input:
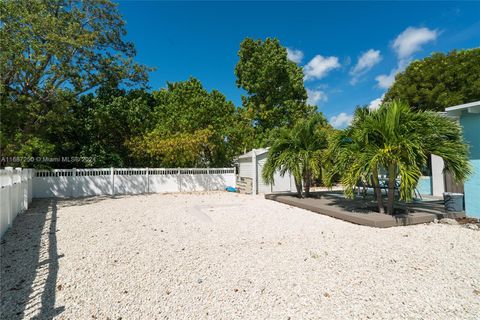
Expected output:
(299, 151)
(396, 139)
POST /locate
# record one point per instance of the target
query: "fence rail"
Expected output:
(130, 171)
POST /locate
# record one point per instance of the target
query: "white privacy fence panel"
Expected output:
(53, 183)
(110, 181)
(15, 194)
(130, 181)
(164, 180)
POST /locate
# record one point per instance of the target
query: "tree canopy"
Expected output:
(51, 53)
(47, 45)
(276, 96)
(196, 125)
(70, 87)
(439, 81)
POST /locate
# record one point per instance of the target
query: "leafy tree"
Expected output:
(187, 106)
(48, 45)
(299, 151)
(184, 110)
(177, 150)
(51, 52)
(23, 133)
(439, 81)
(106, 121)
(399, 140)
(276, 93)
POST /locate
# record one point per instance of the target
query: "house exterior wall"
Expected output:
(283, 183)
(471, 131)
(245, 168)
(262, 187)
(248, 169)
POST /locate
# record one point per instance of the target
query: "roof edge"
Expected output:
(463, 106)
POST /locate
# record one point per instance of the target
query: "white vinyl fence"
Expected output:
(111, 181)
(15, 194)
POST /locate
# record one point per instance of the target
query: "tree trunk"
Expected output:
(391, 189)
(307, 180)
(378, 192)
(298, 185)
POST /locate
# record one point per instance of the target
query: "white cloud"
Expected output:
(375, 104)
(319, 67)
(295, 55)
(366, 61)
(405, 45)
(411, 41)
(384, 81)
(341, 121)
(316, 96)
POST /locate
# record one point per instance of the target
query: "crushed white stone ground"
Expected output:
(229, 256)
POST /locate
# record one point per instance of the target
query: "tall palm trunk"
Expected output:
(391, 188)
(378, 192)
(298, 185)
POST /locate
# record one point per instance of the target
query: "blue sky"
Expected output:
(350, 51)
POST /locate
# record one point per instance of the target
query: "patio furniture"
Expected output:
(383, 185)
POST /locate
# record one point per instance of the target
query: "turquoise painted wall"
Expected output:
(424, 185)
(471, 131)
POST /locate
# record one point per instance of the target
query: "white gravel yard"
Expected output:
(229, 256)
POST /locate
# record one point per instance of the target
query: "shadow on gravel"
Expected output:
(29, 264)
(83, 201)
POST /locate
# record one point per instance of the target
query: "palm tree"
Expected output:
(396, 139)
(298, 151)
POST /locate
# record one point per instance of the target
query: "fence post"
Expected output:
(9, 195)
(179, 182)
(208, 179)
(255, 173)
(73, 182)
(33, 174)
(19, 190)
(30, 185)
(24, 180)
(112, 182)
(17, 176)
(148, 181)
